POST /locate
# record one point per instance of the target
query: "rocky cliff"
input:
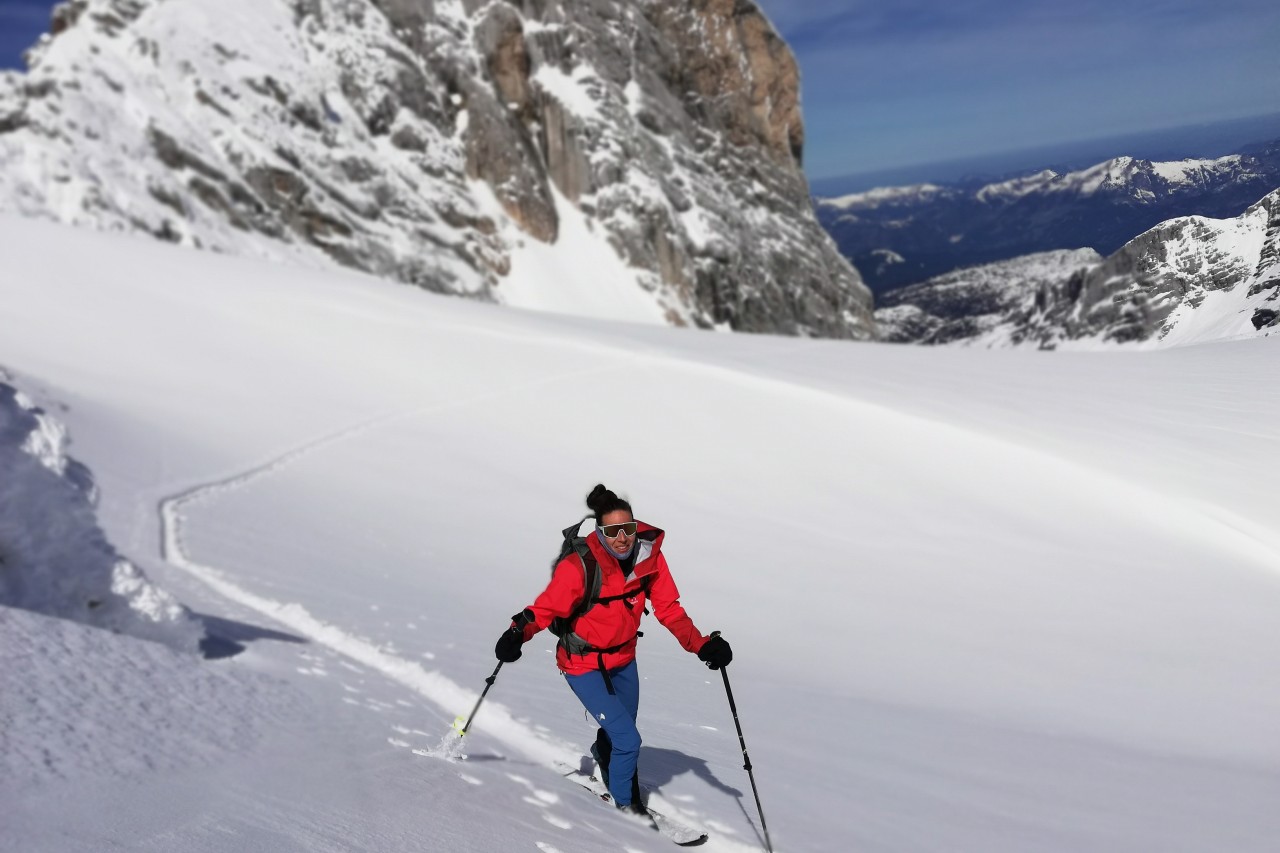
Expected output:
(437, 141)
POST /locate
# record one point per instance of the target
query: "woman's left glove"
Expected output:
(715, 652)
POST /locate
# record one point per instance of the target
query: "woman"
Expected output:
(597, 648)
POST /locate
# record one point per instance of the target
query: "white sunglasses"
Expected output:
(611, 531)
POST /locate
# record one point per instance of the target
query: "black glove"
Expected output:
(508, 647)
(715, 652)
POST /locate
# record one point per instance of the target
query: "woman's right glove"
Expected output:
(715, 652)
(508, 648)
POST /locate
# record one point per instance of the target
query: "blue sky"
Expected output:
(890, 83)
(895, 82)
(21, 22)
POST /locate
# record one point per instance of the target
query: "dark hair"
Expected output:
(601, 501)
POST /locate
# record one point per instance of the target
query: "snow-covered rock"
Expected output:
(975, 305)
(1188, 280)
(54, 558)
(441, 144)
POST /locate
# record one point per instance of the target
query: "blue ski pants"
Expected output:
(616, 714)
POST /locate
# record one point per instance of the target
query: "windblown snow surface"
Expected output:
(980, 601)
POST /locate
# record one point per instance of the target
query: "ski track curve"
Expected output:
(429, 684)
(436, 688)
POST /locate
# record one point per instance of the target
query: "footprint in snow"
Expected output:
(538, 798)
(558, 822)
(545, 847)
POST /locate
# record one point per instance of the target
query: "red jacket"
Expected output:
(613, 623)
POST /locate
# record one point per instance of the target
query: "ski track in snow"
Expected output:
(431, 685)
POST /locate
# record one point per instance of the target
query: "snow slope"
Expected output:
(1000, 601)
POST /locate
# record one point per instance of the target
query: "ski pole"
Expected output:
(733, 707)
(488, 683)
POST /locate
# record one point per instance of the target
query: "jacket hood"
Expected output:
(648, 546)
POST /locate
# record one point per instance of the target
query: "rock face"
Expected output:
(975, 306)
(430, 141)
(1188, 280)
(902, 235)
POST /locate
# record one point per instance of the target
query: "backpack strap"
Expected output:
(590, 579)
(644, 587)
(572, 543)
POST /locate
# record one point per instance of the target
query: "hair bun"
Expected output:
(601, 500)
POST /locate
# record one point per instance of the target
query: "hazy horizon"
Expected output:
(1209, 140)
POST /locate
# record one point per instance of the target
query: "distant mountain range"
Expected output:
(1188, 280)
(902, 235)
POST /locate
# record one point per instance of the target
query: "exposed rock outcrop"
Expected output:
(975, 305)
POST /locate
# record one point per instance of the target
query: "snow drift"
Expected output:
(54, 558)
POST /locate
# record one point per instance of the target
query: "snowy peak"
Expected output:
(1019, 187)
(1188, 280)
(1143, 181)
(441, 144)
(913, 194)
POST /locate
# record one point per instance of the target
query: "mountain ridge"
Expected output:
(934, 228)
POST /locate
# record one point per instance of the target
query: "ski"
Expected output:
(678, 833)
